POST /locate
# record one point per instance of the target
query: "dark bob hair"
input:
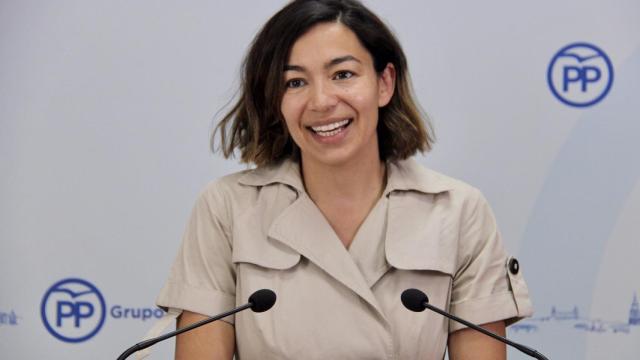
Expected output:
(255, 125)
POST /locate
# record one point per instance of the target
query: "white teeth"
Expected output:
(331, 128)
(329, 133)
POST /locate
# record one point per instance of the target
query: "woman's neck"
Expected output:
(353, 182)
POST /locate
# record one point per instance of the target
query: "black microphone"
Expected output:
(416, 300)
(259, 301)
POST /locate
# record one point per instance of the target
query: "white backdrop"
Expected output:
(106, 110)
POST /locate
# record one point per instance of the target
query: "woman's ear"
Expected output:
(386, 85)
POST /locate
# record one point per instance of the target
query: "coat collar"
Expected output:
(300, 225)
(403, 175)
(409, 175)
(286, 172)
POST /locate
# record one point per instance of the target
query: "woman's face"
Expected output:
(332, 96)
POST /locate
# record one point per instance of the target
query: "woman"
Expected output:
(335, 218)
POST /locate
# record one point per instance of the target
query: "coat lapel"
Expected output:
(304, 228)
(416, 227)
(367, 248)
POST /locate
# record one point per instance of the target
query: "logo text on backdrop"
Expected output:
(73, 310)
(9, 318)
(580, 75)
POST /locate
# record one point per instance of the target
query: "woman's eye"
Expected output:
(343, 75)
(295, 83)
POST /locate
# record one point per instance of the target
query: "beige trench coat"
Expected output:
(259, 229)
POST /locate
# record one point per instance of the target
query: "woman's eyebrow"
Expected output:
(299, 68)
(329, 64)
(340, 60)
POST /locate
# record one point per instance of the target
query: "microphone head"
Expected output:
(262, 300)
(414, 300)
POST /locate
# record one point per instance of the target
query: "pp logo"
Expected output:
(580, 75)
(73, 310)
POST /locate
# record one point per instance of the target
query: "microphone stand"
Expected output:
(145, 344)
(527, 350)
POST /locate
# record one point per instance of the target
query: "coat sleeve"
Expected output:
(488, 285)
(202, 278)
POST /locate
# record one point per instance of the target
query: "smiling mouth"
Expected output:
(330, 129)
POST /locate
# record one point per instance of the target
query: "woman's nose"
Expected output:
(323, 97)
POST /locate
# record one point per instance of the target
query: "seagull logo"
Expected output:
(581, 58)
(580, 75)
(73, 310)
(72, 293)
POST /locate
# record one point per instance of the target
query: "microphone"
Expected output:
(416, 300)
(259, 301)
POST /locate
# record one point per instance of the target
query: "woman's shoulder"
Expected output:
(243, 187)
(411, 175)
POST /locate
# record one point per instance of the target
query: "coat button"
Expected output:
(514, 266)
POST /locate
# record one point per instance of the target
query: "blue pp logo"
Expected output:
(73, 310)
(580, 75)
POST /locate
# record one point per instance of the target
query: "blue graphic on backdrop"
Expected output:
(73, 310)
(9, 318)
(578, 207)
(634, 313)
(144, 314)
(580, 75)
(571, 318)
